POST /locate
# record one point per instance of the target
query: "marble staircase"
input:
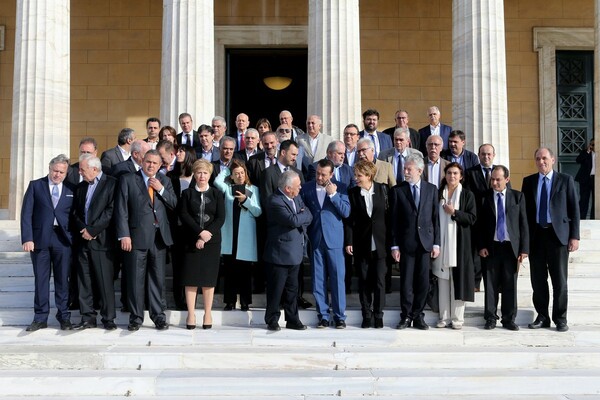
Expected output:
(239, 358)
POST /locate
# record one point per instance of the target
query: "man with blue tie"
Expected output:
(553, 217)
(328, 206)
(415, 240)
(45, 235)
(503, 243)
(380, 140)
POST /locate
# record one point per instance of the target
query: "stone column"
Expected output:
(479, 74)
(334, 90)
(188, 61)
(41, 93)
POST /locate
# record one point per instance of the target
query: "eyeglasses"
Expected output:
(363, 150)
(350, 134)
(282, 130)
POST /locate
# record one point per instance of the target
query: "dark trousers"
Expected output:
(145, 271)
(348, 263)
(238, 280)
(282, 284)
(549, 256)
(587, 190)
(371, 284)
(500, 272)
(414, 283)
(55, 259)
(95, 269)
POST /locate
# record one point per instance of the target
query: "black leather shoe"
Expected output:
(323, 323)
(126, 309)
(539, 323)
(133, 327)
(273, 326)
(419, 323)
(109, 325)
(228, 307)
(404, 323)
(366, 322)
(378, 323)
(303, 303)
(490, 324)
(161, 325)
(244, 307)
(66, 325)
(85, 325)
(562, 327)
(295, 326)
(340, 324)
(511, 326)
(35, 326)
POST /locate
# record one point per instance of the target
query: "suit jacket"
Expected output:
(189, 213)
(412, 227)
(469, 159)
(241, 155)
(584, 159)
(359, 228)
(389, 154)
(327, 223)
(443, 164)
(385, 142)
(415, 139)
(564, 208)
(256, 166)
(285, 230)
(135, 215)
(38, 213)
(111, 157)
(320, 153)
(425, 132)
(100, 214)
(123, 168)
(268, 183)
(345, 172)
(195, 139)
(516, 221)
(385, 173)
(73, 176)
(475, 181)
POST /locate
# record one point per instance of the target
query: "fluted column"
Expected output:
(334, 90)
(41, 92)
(479, 74)
(188, 61)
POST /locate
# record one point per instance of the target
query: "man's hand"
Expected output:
(573, 245)
(330, 188)
(435, 252)
(349, 250)
(484, 253)
(396, 255)
(205, 235)
(126, 244)
(155, 184)
(85, 234)
(28, 246)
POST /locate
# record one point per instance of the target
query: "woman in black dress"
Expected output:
(202, 214)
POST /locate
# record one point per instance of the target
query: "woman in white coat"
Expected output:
(238, 244)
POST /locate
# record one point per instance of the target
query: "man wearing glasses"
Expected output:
(401, 118)
(365, 150)
(350, 141)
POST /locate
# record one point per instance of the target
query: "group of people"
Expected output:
(253, 204)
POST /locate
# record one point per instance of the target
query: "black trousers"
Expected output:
(414, 283)
(238, 280)
(549, 256)
(500, 272)
(282, 284)
(95, 270)
(371, 284)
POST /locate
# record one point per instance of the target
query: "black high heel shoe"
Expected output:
(190, 327)
(205, 326)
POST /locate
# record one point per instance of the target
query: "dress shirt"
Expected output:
(146, 177)
(351, 156)
(187, 138)
(539, 192)
(290, 199)
(251, 153)
(375, 140)
(207, 155)
(51, 187)
(458, 159)
(435, 130)
(506, 237)
(282, 167)
(223, 166)
(269, 162)
(433, 172)
(124, 153)
(90, 193)
(314, 143)
(368, 196)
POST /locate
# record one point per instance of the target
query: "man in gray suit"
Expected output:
(119, 153)
(141, 205)
(288, 219)
(365, 150)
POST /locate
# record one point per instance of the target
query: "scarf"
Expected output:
(449, 230)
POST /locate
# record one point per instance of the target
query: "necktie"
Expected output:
(151, 194)
(415, 193)
(400, 170)
(501, 220)
(487, 177)
(188, 139)
(242, 142)
(55, 195)
(372, 137)
(543, 206)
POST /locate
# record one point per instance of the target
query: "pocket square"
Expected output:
(69, 195)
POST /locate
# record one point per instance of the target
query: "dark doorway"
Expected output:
(247, 93)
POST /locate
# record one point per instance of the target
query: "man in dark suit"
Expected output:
(380, 140)
(263, 160)
(401, 118)
(503, 244)
(45, 235)
(119, 153)
(87, 145)
(152, 129)
(553, 219)
(94, 239)
(328, 204)
(206, 149)
(141, 205)
(415, 240)
(226, 150)
(434, 164)
(457, 153)
(287, 219)
(341, 172)
(241, 123)
(251, 146)
(400, 152)
(585, 176)
(188, 135)
(134, 162)
(435, 127)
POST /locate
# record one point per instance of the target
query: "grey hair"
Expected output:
(59, 159)
(417, 160)
(125, 135)
(227, 139)
(136, 146)
(367, 141)
(92, 161)
(332, 146)
(220, 119)
(398, 131)
(286, 179)
(252, 130)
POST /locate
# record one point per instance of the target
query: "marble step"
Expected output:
(241, 383)
(328, 397)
